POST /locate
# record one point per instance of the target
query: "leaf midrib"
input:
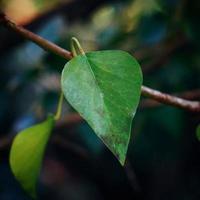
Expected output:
(121, 96)
(97, 85)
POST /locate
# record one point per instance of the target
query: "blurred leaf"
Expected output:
(104, 87)
(137, 9)
(45, 4)
(27, 152)
(198, 132)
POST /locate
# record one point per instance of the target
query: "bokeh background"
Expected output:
(163, 158)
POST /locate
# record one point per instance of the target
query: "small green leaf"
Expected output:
(198, 132)
(27, 152)
(104, 87)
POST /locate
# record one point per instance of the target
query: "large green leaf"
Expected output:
(27, 152)
(104, 87)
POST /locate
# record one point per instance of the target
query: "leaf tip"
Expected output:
(122, 161)
(121, 156)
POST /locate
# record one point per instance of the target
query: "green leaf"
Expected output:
(104, 87)
(198, 132)
(27, 152)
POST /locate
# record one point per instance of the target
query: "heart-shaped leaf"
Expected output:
(27, 152)
(104, 87)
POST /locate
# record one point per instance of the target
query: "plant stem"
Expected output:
(75, 45)
(46, 45)
(192, 106)
(59, 107)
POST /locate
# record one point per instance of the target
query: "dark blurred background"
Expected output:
(163, 159)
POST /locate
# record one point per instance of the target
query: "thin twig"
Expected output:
(189, 95)
(192, 106)
(45, 44)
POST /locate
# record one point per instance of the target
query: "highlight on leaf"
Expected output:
(27, 152)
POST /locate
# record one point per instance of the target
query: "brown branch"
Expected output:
(46, 45)
(192, 106)
(189, 95)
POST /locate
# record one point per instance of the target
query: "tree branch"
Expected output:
(46, 45)
(189, 95)
(193, 106)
